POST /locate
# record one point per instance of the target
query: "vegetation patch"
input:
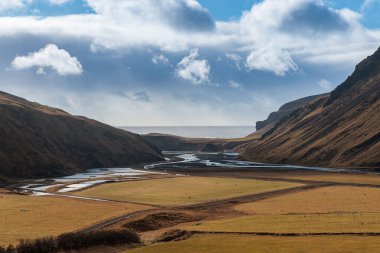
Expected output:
(74, 241)
(159, 220)
(175, 235)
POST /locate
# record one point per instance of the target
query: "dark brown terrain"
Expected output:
(40, 141)
(341, 129)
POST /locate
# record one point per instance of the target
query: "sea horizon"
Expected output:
(194, 131)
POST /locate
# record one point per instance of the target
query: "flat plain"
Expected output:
(29, 217)
(182, 190)
(297, 224)
(266, 244)
(331, 199)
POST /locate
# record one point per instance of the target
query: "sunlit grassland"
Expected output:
(267, 244)
(322, 200)
(28, 217)
(182, 190)
(301, 223)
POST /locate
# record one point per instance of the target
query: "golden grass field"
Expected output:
(267, 244)
(322, 200)
(309, 223)
(182, 190)
(329, 177)
(28, 217)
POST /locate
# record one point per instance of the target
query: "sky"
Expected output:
(181, 62)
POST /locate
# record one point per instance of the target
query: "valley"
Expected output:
(194, 199)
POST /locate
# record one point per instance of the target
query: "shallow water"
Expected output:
(221, 160)
(79, 186)
(78, 180)
(177, 161)
(102, 173)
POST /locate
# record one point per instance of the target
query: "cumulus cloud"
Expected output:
(160, 59)
(295, 14)
(49, 57)
(271, 58)
(127, 37)
(302, 28)
(193, 69)
(179, 14)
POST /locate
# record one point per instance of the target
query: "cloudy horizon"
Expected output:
(181, 62)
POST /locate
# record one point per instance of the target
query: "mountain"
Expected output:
(285, 111)
(341, 129)
(40, 141)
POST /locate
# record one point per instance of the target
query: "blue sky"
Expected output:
(220, 9)
(181, 62)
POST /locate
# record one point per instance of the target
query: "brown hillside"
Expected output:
(40, 141)
(285, 111)
(339, 130)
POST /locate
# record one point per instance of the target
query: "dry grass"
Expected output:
(309, 223)
(329, 177)
(182, 190)
(267, 244)
(322, 200)
(28, 217)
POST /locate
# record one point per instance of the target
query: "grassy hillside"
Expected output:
(40, 141)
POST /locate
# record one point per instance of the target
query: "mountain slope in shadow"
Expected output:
(40, 141)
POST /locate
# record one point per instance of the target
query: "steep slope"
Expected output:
(40, 141)
(285, 111)
(339, 130)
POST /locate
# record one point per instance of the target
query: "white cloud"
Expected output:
(306, 30)
(49, 57)
(59, 2)
(303, 31)
(160, 59)
(271, 58)
(325, 84)
(12, 4)
(193, 69)
(178, 14)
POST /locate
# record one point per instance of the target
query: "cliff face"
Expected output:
(285, 111)
(40, 141)
(339, 130)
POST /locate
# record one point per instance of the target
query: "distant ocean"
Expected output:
(196, 131)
